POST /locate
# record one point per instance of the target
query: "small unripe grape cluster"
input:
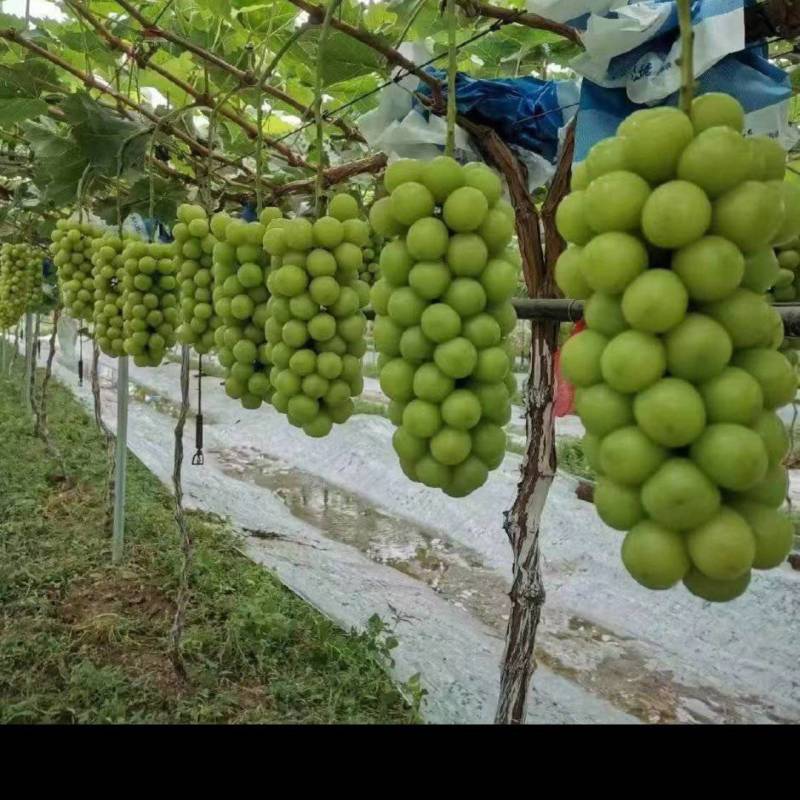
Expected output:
(150, 312)
(672, 224)
(370, 270)
(315, 326)
(443, 318)
(786, 286)
(71, 249)
(108, 271)
(240, 302)
(194, 247)
(20, 280)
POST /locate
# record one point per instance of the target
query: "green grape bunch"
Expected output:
(108, 272)
(672, 225)
(240, 303)
(20, 281)
(315, 325)
(443, 319)
(150, 311)
(71, 250)
(786, 286)
(194, 262)
(370, 270)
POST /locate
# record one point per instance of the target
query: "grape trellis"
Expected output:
(226, 122)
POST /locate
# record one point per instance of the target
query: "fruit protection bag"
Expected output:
(529, 113)
(631, 54)
(565, 391)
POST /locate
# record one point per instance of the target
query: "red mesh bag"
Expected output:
(565, 391)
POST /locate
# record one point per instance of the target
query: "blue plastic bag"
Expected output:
(761, 88)
(526, 112)
(248, 213)
(631, 56)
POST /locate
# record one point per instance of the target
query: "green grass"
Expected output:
(361, 406)
(569, 455)
(571, 458)
(794, 515)
(82, 641)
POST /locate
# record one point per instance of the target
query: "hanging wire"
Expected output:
(198, 459)
(452, 71)
(80, 356)
(319, 183)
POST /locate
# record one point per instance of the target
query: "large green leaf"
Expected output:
(28, 78)
(17, 109)
(167, 194)
(103, 135)
(58, 160)
(346, 58)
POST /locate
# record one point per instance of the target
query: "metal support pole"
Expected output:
(28, 361)
(121, 463)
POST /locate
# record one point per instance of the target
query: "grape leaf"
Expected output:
(17, 109)
(102, 134)
(59, 162)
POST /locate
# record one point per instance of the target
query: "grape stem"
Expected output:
(686, 59)
(452, 67)
(323, 37)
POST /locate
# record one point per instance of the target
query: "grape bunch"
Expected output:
(315, 326)
(194, 245)
(786, 286)
(150, 312)
(71, 250)
(240, 302)
(108, 273)
(370, 269)
(671, 225)
(443, 317)
(20, 281)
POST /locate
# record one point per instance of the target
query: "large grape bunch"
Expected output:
(786, 286)
(194, 247)
(240, 299)
(315, 326)
(443, 317)
(20, 280)
(71, 250)
(671, 224)
(150, 311)
(108, 272)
